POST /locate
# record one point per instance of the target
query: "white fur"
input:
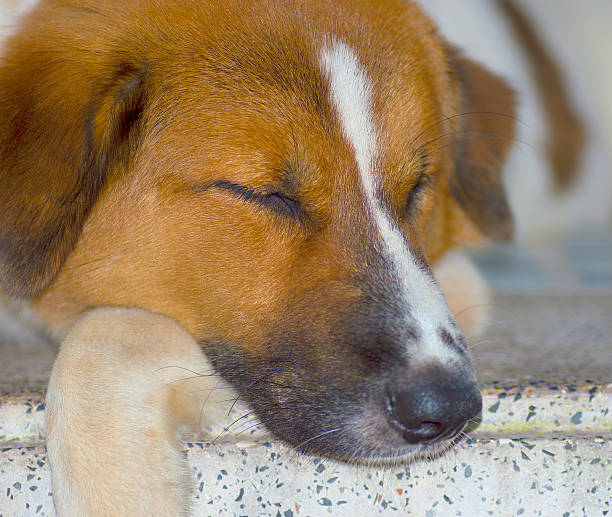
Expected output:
(351, 93)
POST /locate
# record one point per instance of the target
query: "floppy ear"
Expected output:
(67, 115)
(486, 135)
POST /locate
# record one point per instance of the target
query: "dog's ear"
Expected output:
(486, 132)
(67, 115)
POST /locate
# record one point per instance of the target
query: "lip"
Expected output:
(410, 454)
(391, 450)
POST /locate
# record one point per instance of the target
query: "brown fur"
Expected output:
(488, 128)
(108, 121)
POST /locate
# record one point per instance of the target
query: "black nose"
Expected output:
(432, 404)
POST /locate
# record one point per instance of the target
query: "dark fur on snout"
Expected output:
(327, 393)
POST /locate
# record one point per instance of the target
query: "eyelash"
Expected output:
(413, 196)
(274, 201)
(285, 205)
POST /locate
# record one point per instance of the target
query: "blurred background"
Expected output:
(557, 55)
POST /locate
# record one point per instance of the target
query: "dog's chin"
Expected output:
(366, 439)
(374, 454)
(382, 456)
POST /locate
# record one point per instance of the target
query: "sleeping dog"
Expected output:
(258, 190)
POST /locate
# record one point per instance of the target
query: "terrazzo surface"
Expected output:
(561, 476)
(528, 410)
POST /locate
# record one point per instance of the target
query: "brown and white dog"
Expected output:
(257, 186)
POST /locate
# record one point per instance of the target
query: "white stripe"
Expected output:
(351, 95)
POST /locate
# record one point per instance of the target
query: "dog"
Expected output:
(246, 196)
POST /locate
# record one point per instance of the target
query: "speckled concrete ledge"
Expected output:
(562, 476)
(544, 446)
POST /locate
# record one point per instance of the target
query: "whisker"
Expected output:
(447, 135)
(195, 375)
(257, 424)
(335, 430)
(229, 426)
(465, 114)
(256, 381)
(504, 308)
(235, 401)
(476, 344)
(300, 449)
(487, 327)
(472, 307)
(203, 405)
(472, 133)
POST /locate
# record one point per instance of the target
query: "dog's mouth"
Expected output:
(376, 442)
(407, 454)
(393, 416)
(368, 439)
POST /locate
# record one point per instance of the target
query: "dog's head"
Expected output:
(274, 176)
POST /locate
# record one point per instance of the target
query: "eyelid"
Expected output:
(246, 193)
(424, 181)
(270, 199)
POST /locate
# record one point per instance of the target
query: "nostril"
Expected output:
(408, 422)
(434, 409)
(424, 432)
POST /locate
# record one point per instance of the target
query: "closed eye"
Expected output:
(415, 195)
(272, 200)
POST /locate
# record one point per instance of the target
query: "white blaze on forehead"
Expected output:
(351, 96)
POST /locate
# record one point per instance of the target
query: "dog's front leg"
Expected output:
(124, 385)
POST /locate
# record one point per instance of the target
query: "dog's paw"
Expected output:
(466, 291)
(124, 385)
